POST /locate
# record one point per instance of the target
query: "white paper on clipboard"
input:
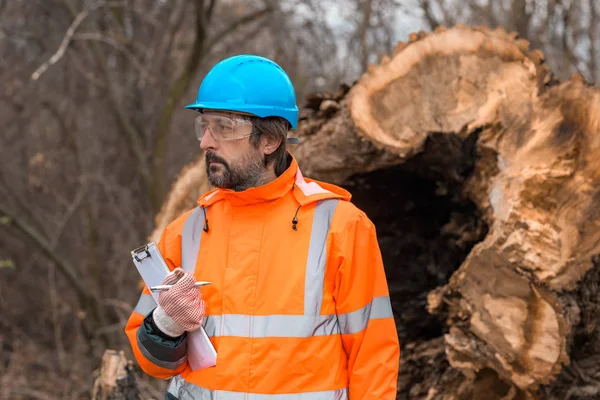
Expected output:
(153, 269)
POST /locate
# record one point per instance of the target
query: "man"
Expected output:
(298, 307)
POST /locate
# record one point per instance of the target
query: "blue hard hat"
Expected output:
(248, 84)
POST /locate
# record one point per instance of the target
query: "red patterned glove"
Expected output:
(180, 308)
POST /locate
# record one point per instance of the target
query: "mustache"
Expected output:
(212, 157)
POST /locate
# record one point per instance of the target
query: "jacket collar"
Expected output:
(305, 190)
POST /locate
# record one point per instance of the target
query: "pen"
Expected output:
(167, 287)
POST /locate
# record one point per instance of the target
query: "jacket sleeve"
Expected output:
(157, 355)
(367, 325)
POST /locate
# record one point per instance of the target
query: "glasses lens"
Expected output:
(222, 128)
(200, 127)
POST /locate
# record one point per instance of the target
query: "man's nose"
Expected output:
(207, 142)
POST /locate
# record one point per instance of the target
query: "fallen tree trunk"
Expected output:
(482, 175)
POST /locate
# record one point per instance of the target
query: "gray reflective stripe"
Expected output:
(358, 320)
(156, 361)
(184, 390)
(297, 326)
(317, 256)
(145, 304)
(259, 326)
(381, 308)
(212, 325)
(190, 239)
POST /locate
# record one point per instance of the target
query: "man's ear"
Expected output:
(269, 143)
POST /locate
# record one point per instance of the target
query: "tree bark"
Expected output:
(480, 116)
(116, 380)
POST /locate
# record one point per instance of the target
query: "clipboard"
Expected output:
(153, 268)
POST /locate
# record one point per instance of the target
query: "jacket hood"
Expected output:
(304, 190)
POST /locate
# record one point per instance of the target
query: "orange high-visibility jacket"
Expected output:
(299, 305)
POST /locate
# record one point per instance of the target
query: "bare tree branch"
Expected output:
(520, 17)
(108, 40)
(163, 51)
(484, 13)
(63, 45)
(210, 9)
(593, 62)
(35, 236)
(34, 394)
(17, 199)
(60, 52)
(237, 24)
(25, 35)
(87, 301)
(133, 135)
(60, 348)
(362, 34)
(567, 47)
(78, 65)
(431, 20)
(67, 216)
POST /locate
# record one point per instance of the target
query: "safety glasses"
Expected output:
(221, 127)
